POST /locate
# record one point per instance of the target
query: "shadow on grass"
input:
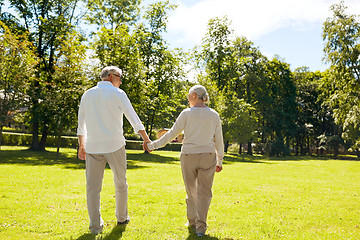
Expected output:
(116, 233)
(153, 157)
(193, 236)
(70, 161)
(231, 158)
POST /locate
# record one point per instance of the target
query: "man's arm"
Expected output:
(82, 152)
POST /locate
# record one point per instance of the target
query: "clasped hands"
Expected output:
(145, 146)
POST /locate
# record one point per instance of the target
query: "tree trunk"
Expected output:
(336, 151)
(43, 138)
(240, 149)
(58, 141)
(226, 146)
(35, 134)
(34, 111)
(1, 135)
(249, 150)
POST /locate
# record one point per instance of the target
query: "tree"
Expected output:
(152, 73)
(214, 62)
(236, 70)
(238, 123)
(17, 63)
(48, 23)
(248, 81)
(110, 14)
(341, 34)
(309, 110)
(216, 52)
(162, 67)
(70, 82)
(278, 108)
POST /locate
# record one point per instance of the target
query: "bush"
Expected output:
(16, 139)
(21, 139)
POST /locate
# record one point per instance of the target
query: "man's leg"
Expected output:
(188, 167)
(117, 162)
(206, 173)
(95, 166)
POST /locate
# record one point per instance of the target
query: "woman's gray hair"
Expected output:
(110, 69)
(200, 92)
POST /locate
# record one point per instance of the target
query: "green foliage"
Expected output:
(279, 107)
(17, 68)
(342, 51)
(258, 96)
(49, 24)
(216, 52)
(20, 139)
(152, 72)
(111, 14)
(163, 68)
(238, 124)
(259, 101)
(314, 116)
(69, 83)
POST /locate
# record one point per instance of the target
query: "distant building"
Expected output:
(161, 132)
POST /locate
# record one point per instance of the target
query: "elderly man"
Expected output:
(101, 141)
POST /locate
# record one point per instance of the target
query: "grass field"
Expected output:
(253, 198)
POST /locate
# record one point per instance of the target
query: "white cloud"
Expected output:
(252, 19)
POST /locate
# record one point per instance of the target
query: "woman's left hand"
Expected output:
(218, 168)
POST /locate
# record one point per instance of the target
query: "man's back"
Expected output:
(102, 114)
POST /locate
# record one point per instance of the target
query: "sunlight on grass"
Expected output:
(253, 198)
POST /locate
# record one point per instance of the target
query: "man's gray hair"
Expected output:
(110, 69)
(200, 92)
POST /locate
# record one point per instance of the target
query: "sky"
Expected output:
(291, 29)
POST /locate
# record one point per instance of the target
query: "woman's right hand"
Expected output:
(218, 168)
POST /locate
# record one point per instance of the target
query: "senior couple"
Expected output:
(101, 141)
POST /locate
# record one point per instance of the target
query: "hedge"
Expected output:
(21, 139)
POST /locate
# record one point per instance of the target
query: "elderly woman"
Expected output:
(201, 154)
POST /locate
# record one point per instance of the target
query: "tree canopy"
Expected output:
(264, 105)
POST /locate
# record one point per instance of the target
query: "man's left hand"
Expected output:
(82, 153)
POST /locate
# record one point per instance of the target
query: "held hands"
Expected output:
(146, 139)
(145, 146)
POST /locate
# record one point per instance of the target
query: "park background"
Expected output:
(52, 51)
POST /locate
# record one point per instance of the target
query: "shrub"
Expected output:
(21, 139)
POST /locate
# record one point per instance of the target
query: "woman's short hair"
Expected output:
(200, 92)
(110, 69)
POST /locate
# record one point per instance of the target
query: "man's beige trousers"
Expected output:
(95, 166)
(198, 173)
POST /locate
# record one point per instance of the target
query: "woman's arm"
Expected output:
(176, 129)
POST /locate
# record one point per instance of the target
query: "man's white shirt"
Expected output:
(100, 118)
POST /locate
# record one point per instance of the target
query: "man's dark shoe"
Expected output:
(123, 223)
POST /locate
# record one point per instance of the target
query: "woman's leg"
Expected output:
(189, 173)
(205, 177)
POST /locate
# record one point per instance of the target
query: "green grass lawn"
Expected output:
(253, 198)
